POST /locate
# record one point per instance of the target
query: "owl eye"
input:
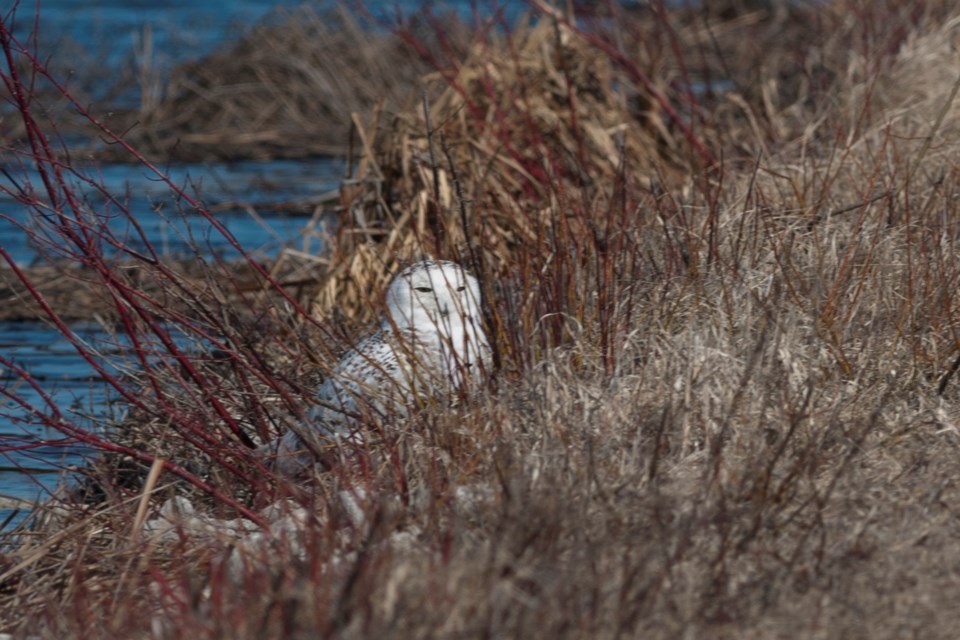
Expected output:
(423, 289)
(461, 288)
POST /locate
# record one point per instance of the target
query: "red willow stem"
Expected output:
(6, 37)
(127, 394)
(43, 155)
(504, 132)
(636, 73)
(170, 276)
(88, 237)
(82, 435)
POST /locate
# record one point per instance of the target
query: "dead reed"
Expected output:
(726, 329)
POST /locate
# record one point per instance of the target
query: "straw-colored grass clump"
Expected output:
(464, 168)
(725, 331)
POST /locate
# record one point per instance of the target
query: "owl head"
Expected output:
(434, 293)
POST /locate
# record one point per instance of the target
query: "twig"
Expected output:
(911, 171)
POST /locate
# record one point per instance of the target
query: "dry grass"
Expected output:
(286, 89)
(725, 331)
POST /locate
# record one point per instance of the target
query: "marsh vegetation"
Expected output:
(718, 250)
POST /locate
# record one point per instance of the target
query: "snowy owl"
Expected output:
(430, 344)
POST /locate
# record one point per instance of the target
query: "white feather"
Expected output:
(430, 344)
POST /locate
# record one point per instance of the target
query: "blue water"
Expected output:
(66, 381)
(174, 231)
(174, 228)
(114, 34)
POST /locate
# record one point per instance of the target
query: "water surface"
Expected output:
(112, 35)
(260, 220)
